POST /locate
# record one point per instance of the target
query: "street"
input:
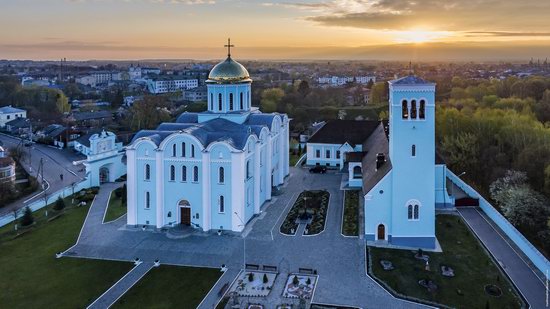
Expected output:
(56, 162)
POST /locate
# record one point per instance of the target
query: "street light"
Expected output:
(453, 185)
(244, 240)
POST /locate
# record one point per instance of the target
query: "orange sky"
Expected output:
(145, 29)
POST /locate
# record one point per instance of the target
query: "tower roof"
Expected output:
(410, 80)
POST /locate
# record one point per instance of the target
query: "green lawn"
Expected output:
(115, 209)
(170, 287)
(350, 226)
(31, 276)
(461, 251)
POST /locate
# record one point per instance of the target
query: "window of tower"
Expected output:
(413, 150)
(220, 102)
(422, 110)
(241, 100)
(413, 109)
(404, 110)
(211, 101)
(231, 101)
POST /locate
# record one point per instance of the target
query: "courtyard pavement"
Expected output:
(527, 281)
(339, 261)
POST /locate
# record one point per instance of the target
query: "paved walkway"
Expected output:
(529, 284)
(108, 298)
(215, 294)
(339, 261)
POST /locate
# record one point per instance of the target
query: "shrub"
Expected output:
(94, 190)
(295, 280)
(250, 277)
(266, 280)
(59, 204)
(118, 192)
(27, 218)
(308, 282)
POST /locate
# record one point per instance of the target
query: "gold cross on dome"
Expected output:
(229, 47)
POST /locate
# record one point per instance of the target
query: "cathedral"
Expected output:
(211, 170)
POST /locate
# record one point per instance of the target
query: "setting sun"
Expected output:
(419, 36)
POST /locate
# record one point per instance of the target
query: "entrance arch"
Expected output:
(381, 232)
(104, 174)
(185, 212)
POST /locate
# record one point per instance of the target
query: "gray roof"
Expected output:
(410, 80)
(339, 132)
(218, 129)
(375, 144)
(10, 110)
(80, 116)
(19, 122)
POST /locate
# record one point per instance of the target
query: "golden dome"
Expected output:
(228, 71)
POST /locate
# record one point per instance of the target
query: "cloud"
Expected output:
(450, 15)
(507, 34)
(187, 2)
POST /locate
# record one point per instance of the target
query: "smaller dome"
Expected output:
(228, 71)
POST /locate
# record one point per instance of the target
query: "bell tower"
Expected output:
(412, 155)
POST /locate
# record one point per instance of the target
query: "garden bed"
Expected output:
(316, 209)
(253, 284)
(350, 224)
(473, 270)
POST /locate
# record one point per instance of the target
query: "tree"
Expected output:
(379, 93)
(265, 279)
(27, 218)
(295, 280)
(271, 100)
(59, 204)
(303, 88)
(118, 100)
(251, 277)
(461, 151)
(148, 112)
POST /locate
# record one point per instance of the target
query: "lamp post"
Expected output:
(244, 240)
(453, 186)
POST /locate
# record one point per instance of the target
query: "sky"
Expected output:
(305, 29)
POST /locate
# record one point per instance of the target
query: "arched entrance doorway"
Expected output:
(185, 212)
(381, 235)
(103, 174)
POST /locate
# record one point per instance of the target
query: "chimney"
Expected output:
(380, 159)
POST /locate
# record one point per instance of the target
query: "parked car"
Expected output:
(318, 169)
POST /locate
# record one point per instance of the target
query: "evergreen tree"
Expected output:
(28, 217)
(59, 204)
(265, 279)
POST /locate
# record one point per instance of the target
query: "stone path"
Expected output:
(529, 284)
(110, 296)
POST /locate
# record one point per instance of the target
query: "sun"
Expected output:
(419, 36)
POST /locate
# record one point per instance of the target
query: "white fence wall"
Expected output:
(40, 203)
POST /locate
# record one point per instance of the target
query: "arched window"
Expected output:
(183, 149)
(413, 150)
(184, 173)
(147, 172)
(147, 200)
(221, 204)
(231, 101)
(413, 209)
(357, 172)
(174, 150)
(327, 154)
(211, 101)
(221, 175)
(248, 99)
(220, 102)
(248, 172)
(413, 109)
(192, 151)
(241, 100)
(404, 110)
(422, 110)
(172, 173)
(196, 174)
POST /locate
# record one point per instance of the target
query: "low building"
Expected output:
(342, 80)
(104, 157)
(330, 144)
(166, 84)
(7, 167)
(9, 113)
(198, 94)
(97, 118)
(18, 126)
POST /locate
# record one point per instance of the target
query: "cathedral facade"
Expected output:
(211, 170)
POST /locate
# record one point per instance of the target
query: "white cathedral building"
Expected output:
(211, 170)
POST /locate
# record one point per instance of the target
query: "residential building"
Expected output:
(8, 113)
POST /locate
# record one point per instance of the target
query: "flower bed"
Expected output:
(316, 210)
